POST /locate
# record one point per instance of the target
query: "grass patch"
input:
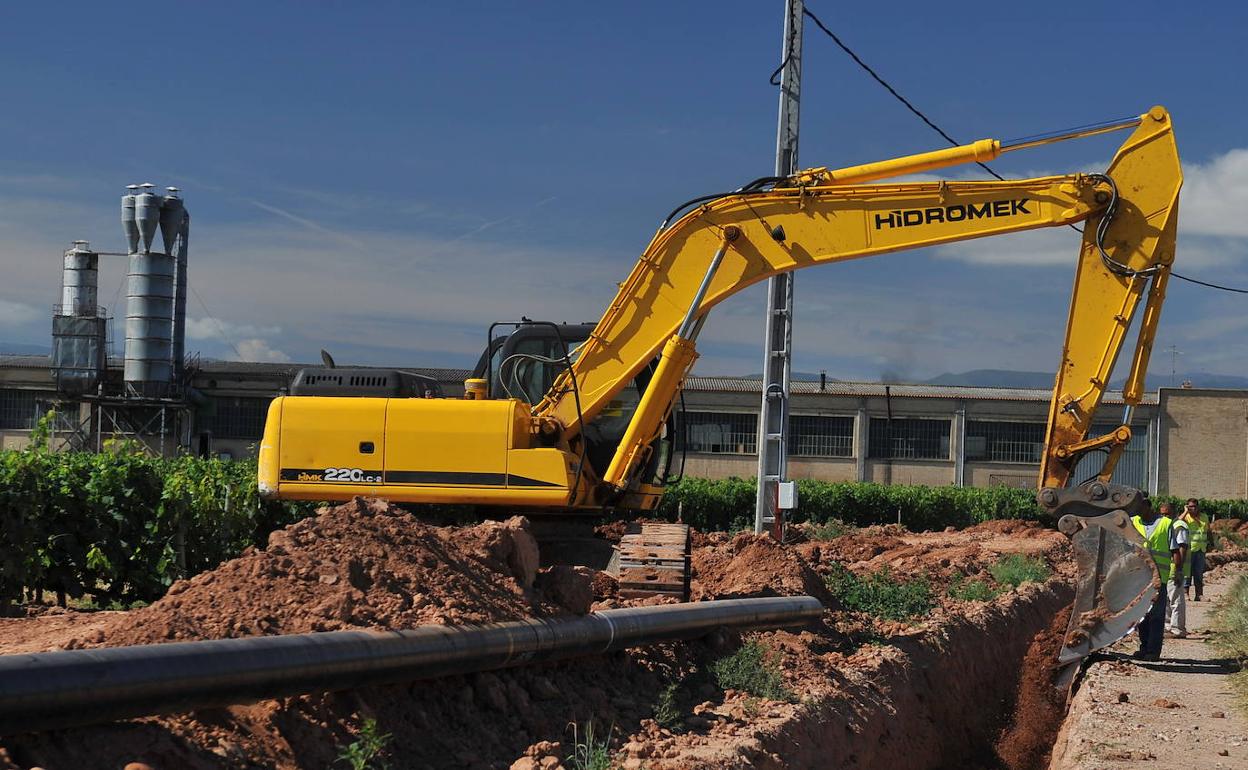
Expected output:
(666, 710)
(1224, 540)
(829, 530)
(362, 753)
(1231, 621)
(1015, 569)
(751, 670)
(967, 589)
(589, 750)
(881, 594)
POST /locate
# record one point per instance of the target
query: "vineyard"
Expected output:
(121, 526)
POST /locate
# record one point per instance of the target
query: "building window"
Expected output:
(811, 436)
(908, 439)
(721, 432)
(1132, 467)
(236, 417)
(21, 409)
(1004, 442)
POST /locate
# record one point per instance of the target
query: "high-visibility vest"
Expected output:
(1158, 543)
(1199, 529)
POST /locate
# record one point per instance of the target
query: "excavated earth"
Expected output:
(933, 693)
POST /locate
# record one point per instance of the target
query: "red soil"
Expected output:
(369, 565)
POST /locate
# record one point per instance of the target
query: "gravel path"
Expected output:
(1179, 712)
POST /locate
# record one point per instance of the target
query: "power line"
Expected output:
(857, 59)
(890, 89)
(1210, 285)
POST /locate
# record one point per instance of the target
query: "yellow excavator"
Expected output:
(594, 436)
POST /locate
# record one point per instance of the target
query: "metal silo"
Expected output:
(149, 325)
(128, 223)
(146, 214)
(80, 280)
(175, 225)
(78, 324)
(149, 304)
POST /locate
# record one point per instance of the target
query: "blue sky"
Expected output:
(385, 179)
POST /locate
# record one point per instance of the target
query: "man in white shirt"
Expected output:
(1180, 540)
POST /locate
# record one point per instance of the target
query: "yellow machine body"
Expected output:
(410, 450)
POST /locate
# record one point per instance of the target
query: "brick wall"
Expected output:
(1204, 443)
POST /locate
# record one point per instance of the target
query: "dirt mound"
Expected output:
(1006, 526)
(852, 548)
(753, 565)
(1040, 707)
(364, 564)
(1235, 526)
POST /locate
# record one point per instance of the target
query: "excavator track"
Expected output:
(653, 560)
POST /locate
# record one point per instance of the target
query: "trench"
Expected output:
(973, 696)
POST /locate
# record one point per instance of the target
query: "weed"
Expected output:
(592, 752)
(1015, 569)
(829, 530)
(666, 711)
(880, 594)
(751, 670)
(1222, 540)
(752, 707)
(968, 590)
(364, 750)
(1231, 635)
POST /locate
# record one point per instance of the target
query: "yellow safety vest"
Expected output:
(1200, 532)
(1158, 544)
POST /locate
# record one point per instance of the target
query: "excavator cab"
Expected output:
(524, 363)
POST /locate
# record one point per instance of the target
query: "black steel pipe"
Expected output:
(49, 690)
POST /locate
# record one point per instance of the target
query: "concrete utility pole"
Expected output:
(773, 419)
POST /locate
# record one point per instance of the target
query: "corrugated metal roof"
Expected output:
(867, 389)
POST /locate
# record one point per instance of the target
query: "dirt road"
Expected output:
(1179, 712)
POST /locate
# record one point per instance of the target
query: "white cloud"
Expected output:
(217, 329)
(1215, 196)
(1033, 248)
(259, 350)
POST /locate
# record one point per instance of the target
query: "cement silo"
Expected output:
(149, 370)
(78, 324)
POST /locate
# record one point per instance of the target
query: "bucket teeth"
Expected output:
(1117, 582)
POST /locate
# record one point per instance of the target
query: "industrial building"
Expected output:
(1187, 441)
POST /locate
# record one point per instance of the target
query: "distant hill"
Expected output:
(794, 376)
(994, 378)
(1198, 380)
(24, 349)
(1005, 378)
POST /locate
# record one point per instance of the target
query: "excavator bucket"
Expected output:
(1117, 583)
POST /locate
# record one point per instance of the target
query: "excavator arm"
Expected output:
(822, 217)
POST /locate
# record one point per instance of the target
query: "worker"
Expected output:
(1198, 526)
(1180, 568)
(1159, 534)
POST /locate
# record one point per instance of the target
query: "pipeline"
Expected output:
(51, 690)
